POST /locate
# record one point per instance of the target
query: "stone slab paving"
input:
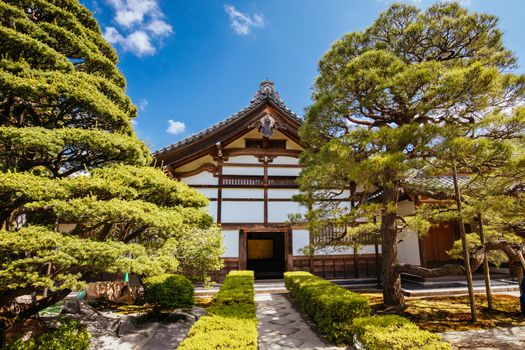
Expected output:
(512, 338)
(282, 327)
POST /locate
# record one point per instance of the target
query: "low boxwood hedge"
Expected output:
(392, 332)
(341, 315)
(169, 291)
(330, 306)
(230, 321)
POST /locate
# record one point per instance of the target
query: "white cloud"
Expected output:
(242, 23)
(159, 27)
(175, 127)
(139, 26)
(143, 104)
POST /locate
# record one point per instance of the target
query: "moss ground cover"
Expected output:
(452, 313)
(231, 321)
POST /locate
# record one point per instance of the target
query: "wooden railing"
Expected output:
(337, 235)
(258, 181)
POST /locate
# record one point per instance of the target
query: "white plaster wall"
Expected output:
(278, 211)
(242, 159)
(236, 170)
(208, 192)
(284, 171)
(282, 193)
(406, 208)
(231, 242)
(204, 178)
(242, 212)
(242, 193)
(285, 160)
(408, 248)
(300, 239)
(212, 209)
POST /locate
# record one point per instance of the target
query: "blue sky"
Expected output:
(190, 64)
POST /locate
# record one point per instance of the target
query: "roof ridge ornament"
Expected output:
(266, 89)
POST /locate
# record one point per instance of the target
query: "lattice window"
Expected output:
(277, 144)
(251, 143)
(259, 143)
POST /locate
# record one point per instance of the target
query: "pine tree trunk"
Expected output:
(392, 295)
(466, 255)
(486, 271)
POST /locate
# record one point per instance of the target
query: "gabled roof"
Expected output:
(266, 95)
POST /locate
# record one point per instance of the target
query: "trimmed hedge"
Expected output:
(330, 306)
(341, 315)
(230, 322)
(169, 291)
(396, 333)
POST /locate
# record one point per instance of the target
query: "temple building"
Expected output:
(247, 166)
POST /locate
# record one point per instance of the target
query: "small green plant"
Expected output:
(231, 321)
(169, 291)
(392, 332)
(70, 335)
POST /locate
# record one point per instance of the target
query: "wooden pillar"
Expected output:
(288, 250)
(243, 254)
(265, 184)
(219, 192)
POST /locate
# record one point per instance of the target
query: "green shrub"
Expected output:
(394, 332)
(169, 291)
(231, 321)
(330, 306)
(70, 335)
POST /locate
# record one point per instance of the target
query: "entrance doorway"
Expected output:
(265, 254)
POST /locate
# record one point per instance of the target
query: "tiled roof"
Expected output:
(265, 93)
(443, 183)
(419, 182)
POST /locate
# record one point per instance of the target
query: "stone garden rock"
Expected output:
(71, 306)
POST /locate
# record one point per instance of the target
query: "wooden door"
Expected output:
(436, 243)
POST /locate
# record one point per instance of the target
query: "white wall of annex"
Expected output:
(408, 248)
(278, 211)
(285, 160)
(406, 208)
(242, 212)
(300, 239)
(367, 249)
(204, 178)
(231, 243)
(283, 171)
(282, 193)
(237, 170)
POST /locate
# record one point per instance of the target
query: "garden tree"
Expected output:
(484, 151)
(383, 94)
(69, 155)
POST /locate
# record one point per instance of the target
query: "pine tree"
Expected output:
(69, 155)
(489, 154)
(383, 93)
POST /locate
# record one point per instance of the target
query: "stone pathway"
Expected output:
(282, 327)
(512, 338)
